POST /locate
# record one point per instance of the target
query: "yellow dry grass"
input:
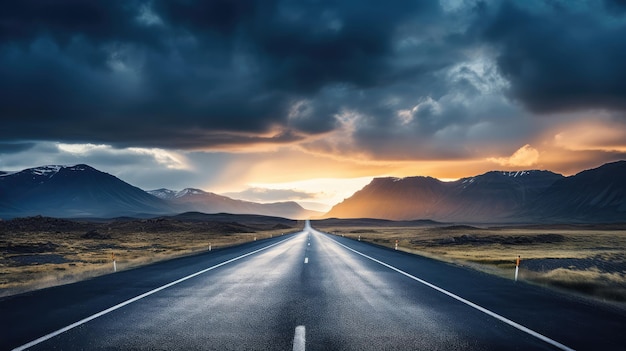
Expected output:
(494, 251)
(75, 258)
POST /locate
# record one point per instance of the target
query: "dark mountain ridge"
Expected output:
(73, 191)
(81, 191)
(594, 195)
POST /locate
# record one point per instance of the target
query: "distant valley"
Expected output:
(190, 199)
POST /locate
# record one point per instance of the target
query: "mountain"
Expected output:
(190, 199)
(595, 195)
(82, 191)
(490, 197)
(73, 191)
(496, 196)
(591, 196)
(394, 199)
(165, 194)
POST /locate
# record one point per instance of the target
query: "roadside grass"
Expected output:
(40, 259)
(586, 261)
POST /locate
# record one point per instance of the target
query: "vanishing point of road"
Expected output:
(306, 291)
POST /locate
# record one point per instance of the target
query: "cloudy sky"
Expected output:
(307, 100)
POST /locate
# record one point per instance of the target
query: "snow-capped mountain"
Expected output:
(497, 196)
(73, 191)
(82, 191)
(165, 194)
(168, 194)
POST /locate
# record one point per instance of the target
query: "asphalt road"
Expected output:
(308, 291)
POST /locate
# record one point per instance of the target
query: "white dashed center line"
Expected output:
(299, 339)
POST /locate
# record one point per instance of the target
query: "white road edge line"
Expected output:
(469, 303)
(299, 339)
(137, 298)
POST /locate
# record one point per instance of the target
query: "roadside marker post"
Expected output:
(137, 298)
(210, 247)
(114, 263)
(359, 238)
(517, 267)
(466, 302)
(396, 244)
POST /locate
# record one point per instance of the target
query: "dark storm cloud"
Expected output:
(10, 148)
(147, 73)
(560, 55)
(302, 46)
(23, 21)
(191, 140)
(615, 5)
(424, 79)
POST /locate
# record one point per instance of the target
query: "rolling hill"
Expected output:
(190, 199)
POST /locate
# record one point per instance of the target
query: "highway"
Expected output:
(306, 291)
